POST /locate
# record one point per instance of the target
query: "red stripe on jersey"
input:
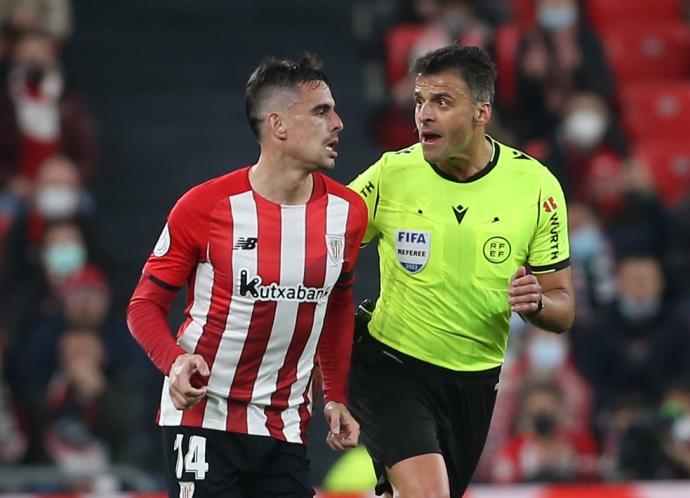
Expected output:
(315, 261)
(268, 266)
(220, 237)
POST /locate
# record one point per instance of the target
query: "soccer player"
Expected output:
(266, 253)
(469, 230)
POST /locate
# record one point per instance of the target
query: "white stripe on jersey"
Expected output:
(336, 223)
(169, 414)
(223, 370)
(203, 283)
(292, 261)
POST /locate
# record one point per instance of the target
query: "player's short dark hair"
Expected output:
(472, 63)
(275, 73)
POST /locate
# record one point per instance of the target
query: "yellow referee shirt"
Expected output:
(448, 248)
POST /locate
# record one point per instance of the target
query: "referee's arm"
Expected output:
(545, 300)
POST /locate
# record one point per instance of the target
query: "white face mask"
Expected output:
(57, 202)
(557, 17)
(546, 354)
(584, 128)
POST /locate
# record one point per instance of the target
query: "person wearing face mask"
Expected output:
(542, 357)
(40, 116)
(542, 448)
(558, 55)
(636, 344)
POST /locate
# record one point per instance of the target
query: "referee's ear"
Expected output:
(482, 113)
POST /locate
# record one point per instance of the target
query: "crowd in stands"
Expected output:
(76, 392)
(599, 91)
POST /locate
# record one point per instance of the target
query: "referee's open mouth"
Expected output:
(331, 146)
(430, 138)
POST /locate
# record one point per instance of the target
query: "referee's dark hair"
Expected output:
(273, 74)
(472, 63)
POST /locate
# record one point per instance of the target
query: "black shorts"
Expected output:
(203, 463)
(407, 407)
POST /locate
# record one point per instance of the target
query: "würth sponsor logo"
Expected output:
(246, 243)
(555, 225)
(252, 286)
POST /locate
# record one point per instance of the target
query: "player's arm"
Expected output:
(545, 295)
(335, 346)
(166, 270)
(368, 186)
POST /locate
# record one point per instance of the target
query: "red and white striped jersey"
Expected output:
(258, 276)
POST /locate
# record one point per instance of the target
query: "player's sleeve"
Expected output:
(549, 248)
(180, 246)
(174, 257)
(335, 345)
(367, 185)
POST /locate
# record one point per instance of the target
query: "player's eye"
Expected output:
(442, 103)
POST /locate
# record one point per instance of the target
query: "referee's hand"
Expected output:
(344, 429)
(524, 292)
(185, 391)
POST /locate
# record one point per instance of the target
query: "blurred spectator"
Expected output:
(591, 260)
(39, 117)
(559, 55)
(13, 442)
(675, 438)
(57, 197)
(542, 449)
(543, 357)
(74, 402)
(587, 131)
(637, 344)
(53, 17)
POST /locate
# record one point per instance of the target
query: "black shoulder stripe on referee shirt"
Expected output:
(160, 283)
(553, 267)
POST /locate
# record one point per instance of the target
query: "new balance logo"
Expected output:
(459, 212)
(246, 243)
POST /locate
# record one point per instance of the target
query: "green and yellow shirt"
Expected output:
(448, 248)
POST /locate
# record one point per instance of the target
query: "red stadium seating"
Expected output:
(399, 42)
(668, 162)
(523, 12)
(603, 13)
(656, 110)
(507, 38)
(649, 51)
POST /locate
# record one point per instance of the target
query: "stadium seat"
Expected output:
(604, 13)
(507, 38)
(668, 162)
(649, 51)
(656, 110)
(523, 12)
(399, 42)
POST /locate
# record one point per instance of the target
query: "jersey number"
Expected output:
(194, 460)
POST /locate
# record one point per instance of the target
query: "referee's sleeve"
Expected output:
(549, 250)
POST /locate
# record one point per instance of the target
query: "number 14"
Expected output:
(194, 460)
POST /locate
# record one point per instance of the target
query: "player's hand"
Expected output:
(344, 429)
(524, 292)
(183, 393)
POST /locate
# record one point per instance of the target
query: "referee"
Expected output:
(469, 230)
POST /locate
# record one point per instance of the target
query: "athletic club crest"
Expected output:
(186, 489)
(412, 249)
(335, 244)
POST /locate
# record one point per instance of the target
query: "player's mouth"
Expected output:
(330, 148)
(430, 138)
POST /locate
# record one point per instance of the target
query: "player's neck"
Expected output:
(281, 184)
(471, 161)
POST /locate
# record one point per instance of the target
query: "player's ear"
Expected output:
(276, 125)
(482, 113)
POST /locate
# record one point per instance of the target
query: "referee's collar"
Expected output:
(479, 174)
